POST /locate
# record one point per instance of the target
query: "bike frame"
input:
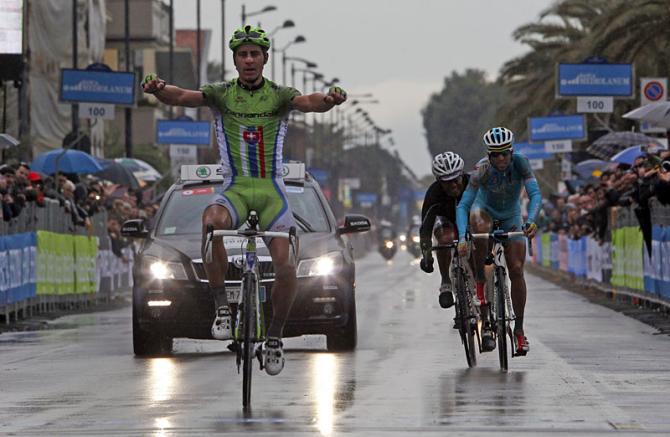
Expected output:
(500, 285)
(248, 303)
(457, 269)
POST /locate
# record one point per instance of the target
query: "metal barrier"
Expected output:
(623, 260)
(49, 263)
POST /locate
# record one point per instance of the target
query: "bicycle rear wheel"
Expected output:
(465, 327)
(501, 319)
(248, 340)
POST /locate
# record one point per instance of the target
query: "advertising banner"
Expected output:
(664, 277)
(633, 255)
(594, 80)
(11, 27)
(85, 252)
(97, 86)
(366, 200)
(561, 127)
(183, 132)
(546, 250)
(17, 267)
(532, 150)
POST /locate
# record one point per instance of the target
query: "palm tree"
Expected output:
(561, 35)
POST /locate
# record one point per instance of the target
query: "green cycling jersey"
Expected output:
(250, 126)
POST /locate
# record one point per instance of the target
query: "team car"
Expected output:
(171, 297)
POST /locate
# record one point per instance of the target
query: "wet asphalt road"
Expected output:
(590, 371)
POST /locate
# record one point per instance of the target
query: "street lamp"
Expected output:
(287, 24)
(245, 15)
(298, 39)
(308, 64)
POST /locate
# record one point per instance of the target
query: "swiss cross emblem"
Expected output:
(251, 136)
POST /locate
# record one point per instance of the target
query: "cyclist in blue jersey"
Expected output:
(493, 193)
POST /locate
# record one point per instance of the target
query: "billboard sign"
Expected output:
(594, 80)
(183, 132)
(97, 86)
(366, 199)
(561, 127)
(11, 27)
(532, 151)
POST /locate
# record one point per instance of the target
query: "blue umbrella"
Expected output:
(68, 161)
(628, 156)
(585, 169)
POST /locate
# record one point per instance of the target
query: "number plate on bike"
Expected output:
(234, 293)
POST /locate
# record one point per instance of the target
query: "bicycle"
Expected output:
(501, 312)
(467, 314)
(249, 331)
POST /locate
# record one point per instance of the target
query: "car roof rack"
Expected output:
(292, 171)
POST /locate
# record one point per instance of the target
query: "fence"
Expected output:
(46, 262)
(622, 260)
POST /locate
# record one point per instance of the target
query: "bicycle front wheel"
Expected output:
(465, 320)
(248, 327)
(501, 319)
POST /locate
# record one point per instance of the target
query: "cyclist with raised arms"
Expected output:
(493, 193)
(438, 217)
(250, 116)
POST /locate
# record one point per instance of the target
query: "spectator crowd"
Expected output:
(584, 210)
(80, 197)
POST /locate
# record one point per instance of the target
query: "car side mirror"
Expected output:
(353, 224)
(134, 228)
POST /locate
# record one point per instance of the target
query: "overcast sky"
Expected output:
(400, 51)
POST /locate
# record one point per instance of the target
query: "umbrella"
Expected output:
(585, 169)
(140, 169)
(657, 113)
(7, 141)
(117, 173)
(629, 155)
(65, 161)
(614, 142)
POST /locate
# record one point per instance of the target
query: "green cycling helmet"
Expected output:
(249, 35)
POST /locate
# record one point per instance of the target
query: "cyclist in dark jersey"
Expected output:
(438, 217)
(250, 117)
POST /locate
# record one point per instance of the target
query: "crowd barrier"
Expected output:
(46, 262)
(622, 260)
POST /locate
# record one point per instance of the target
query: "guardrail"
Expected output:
(48, 263)
(622, 261)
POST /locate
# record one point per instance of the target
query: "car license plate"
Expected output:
(234, 293)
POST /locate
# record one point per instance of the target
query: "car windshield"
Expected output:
(183, 211)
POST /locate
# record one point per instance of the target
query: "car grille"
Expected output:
(235, 273)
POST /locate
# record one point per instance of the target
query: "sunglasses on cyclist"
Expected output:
(245, 35)
(504, 154)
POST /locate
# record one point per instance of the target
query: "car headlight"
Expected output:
(159, 269)
(416, 238)
(389, 244)
(403, 237)
(321, 266)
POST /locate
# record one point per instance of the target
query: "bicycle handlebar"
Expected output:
(248, 233)
(499, 235)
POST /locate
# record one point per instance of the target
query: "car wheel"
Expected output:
(146, 343)
(345, 338)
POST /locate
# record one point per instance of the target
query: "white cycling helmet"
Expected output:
(447, 166)
(498, 139)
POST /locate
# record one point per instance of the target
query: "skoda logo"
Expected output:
(203, 172)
